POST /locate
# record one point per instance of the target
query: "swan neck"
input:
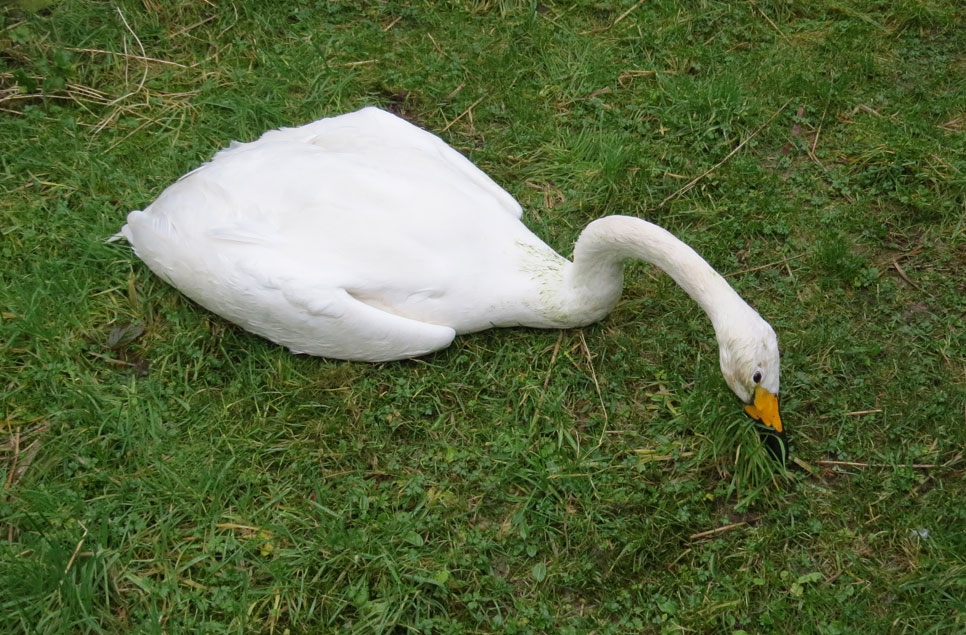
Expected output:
(607, 242)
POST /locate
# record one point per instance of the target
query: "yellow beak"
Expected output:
(764, 408)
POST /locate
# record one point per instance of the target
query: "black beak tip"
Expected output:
(775, 443)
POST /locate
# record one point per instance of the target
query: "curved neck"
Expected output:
(606, 243)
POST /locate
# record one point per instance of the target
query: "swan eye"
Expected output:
(757, 377)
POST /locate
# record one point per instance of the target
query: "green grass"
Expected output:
(167, 472)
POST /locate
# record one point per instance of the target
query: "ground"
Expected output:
(165, 471)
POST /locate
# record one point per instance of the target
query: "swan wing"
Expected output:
(242, 276)
(336, 324)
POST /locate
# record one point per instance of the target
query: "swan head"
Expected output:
(748, 352)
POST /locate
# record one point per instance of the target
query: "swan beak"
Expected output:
(764, 409)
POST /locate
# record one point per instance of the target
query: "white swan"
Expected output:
(363, 237)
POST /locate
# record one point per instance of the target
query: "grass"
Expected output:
(166, 472)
